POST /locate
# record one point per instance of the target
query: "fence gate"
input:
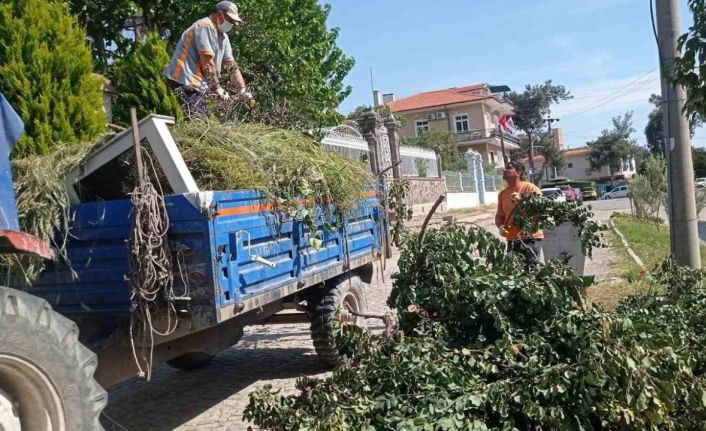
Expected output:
(475, 168)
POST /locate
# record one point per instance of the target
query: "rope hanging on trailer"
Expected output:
(150, 264)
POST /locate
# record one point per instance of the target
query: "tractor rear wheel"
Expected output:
(46, 374)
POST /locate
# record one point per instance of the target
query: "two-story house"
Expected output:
(577, 167)
(471, 113)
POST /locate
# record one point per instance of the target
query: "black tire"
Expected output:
(607, 198)
(325, 309)
(44, 369)
(190, 361)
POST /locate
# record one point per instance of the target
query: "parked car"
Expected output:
(618, 192)
(589, 193)
(700, 182)
(554, 193)
(571, 194)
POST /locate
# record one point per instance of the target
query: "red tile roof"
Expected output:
(577, 151)
(429, 99)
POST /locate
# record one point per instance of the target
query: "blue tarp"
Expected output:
(11, 128)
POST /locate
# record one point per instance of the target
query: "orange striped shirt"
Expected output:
(201, 39)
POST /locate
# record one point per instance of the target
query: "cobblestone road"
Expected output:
(213, 398)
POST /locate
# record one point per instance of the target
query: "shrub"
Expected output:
(648, 189)
(140, 83)
(46, 75)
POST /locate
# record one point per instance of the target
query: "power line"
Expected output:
(632, 87)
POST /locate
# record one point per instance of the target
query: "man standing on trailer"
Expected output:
(202, 52)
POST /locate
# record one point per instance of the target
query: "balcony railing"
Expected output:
(472, 135)
(475, 135)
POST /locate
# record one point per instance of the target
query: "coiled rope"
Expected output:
(150, 275)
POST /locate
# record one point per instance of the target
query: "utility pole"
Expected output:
(684, 234)
(550, 120)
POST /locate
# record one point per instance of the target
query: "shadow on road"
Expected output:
(175, 397)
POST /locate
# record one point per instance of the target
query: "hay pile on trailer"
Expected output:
(285, 165)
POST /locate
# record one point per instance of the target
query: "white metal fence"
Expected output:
(418, 162)
(493, 183)
(464, 182)
(348, 142)
(459, 182)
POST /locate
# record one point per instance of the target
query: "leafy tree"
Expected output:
(104, 22)
(382, 110)
(699, 157)
(360, 110)
(139, 83)
(444, 143)
(613, 146)
(286, 51)
(289, 42)
(690, 67)
(46, 74)
(108, 22)
(554, 156)
(654, 131)
(531, 108)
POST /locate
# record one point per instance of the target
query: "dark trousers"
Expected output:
(528, 249)
(192, 100)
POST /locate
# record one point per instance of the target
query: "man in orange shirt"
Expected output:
(527, 246)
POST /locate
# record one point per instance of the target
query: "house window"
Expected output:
(420, 126)
(569, 165)
(492, 157)
(461, 123)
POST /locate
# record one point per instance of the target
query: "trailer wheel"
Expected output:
(333, 302)
(190, 361)
(46, 374)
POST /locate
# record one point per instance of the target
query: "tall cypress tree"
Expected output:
(46, 73)
(139, 81)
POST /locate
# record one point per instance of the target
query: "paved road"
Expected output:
(214, 397)
(602, 209)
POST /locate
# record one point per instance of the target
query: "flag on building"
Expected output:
(506, 123)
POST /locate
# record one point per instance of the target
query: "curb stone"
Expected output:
(630, 251)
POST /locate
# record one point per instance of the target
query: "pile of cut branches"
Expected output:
(284, 164)
(485, 344)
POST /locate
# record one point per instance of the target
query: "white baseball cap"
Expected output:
(230, 9)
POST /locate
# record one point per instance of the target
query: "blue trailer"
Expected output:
(236, 262)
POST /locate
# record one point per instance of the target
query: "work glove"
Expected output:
(251, 102)
(249, 99)
(222, 93)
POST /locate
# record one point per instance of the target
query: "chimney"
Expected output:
(377, 99)
(558, 136)
(387, 98)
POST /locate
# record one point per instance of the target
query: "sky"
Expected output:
(602, 51)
